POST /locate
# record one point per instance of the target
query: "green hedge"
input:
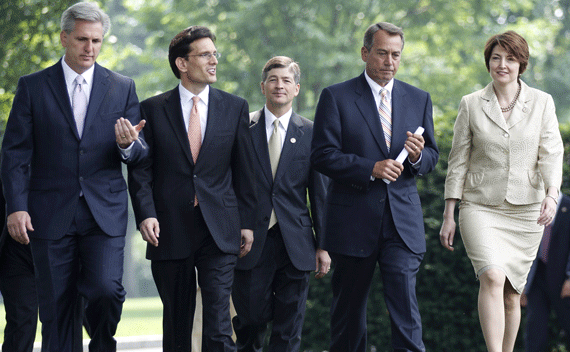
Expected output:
(446, 286)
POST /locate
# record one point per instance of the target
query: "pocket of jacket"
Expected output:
(339, 198)
(535, 179)
(118, 185)
(473, 179)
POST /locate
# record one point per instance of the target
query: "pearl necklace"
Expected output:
(512, 104)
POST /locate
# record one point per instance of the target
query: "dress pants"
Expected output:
(18, 288)
(176, 284)
(540, 302)
(351, 281)
(274, 290)
(87, 264)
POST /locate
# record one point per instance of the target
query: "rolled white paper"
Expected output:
(404, 153)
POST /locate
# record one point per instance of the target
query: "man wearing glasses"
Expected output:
(193, 198)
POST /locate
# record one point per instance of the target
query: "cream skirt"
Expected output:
(505, 236)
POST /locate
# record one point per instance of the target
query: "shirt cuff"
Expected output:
(126, 153)
(416, 165)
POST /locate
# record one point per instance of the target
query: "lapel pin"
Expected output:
(293, 140)
(564, 209)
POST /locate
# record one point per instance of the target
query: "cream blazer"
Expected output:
(493, 160)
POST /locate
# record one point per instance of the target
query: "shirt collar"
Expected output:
(376, 88)
(186, 95)
(284, 120)
(70, 74)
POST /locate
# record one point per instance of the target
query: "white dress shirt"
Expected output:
(187, 103)
(283, 124)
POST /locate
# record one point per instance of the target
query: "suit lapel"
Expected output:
(491, 107)
(173, 112)
(521, 110)
(259, 137)
(367, 106)
(293, 135)
(98, 92)
(216, 108)
(399, 103)
(58, 87)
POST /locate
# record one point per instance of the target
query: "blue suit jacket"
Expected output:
(287, 194)
(558, 266)
(347, 141)
(45, 165)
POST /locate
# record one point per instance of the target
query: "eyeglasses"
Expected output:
(207, 56)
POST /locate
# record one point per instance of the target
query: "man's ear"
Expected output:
(181, 63)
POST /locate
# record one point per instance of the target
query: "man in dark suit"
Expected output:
(18, 289)
(272, 281)
(361, 126)
(70, 127)
(548, 283)
(194, 198)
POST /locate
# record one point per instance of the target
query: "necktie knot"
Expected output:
(79, 80)
(384, 94)
(196, 100)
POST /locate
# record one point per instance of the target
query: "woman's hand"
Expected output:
(447, 232)
(547, 211)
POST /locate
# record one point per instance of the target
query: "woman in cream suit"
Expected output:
(505, 166)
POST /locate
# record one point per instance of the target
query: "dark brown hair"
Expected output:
(513, 43)
(180, 44)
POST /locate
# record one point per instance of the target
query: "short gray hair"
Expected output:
(385, 26)
(86, 11)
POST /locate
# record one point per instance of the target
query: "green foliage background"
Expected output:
(443, 55)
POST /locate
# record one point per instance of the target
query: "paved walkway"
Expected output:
(151, 343)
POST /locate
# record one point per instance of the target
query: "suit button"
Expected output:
(265, 218)
(195, 176)
(81, 152)
(80, 178)
(506, 135)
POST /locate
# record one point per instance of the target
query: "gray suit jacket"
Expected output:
(287, 194)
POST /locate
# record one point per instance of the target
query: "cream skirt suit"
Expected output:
(500, 169)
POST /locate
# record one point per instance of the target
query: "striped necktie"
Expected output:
(545, 243)
(386, 117)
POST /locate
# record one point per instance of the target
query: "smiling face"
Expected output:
(280, 89)
(383, 58)
(197, 71)
(82, 45)
(503, 66)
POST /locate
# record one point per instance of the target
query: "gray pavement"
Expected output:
(150, 343)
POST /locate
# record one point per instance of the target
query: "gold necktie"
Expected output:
(195, 134)
(274, 155)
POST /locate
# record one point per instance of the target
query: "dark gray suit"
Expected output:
(271, 282)
(206, 237)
